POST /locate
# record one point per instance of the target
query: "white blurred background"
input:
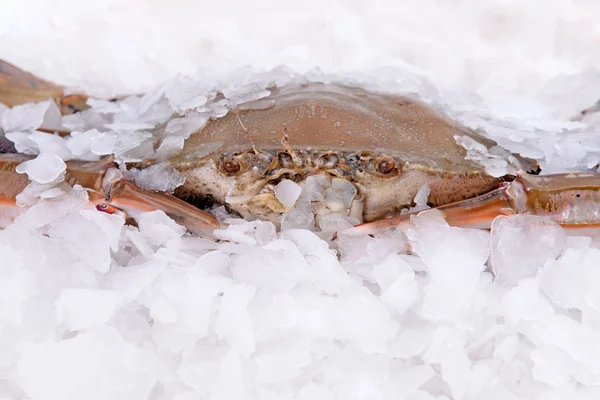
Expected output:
(493, 48)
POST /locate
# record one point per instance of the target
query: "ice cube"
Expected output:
(170, 146)
(455, 258)
(54, 144)
(521, 244)
(185, 93)
(45, 168)
(234, 324)
(397, 281)
(314, 187)
(23, 143)
(91, 144)
(95, 365)
(109, 224)
(277, 267)
(128, 126)
(30, 116)
(420, 200)
(157, 228)
(340, 195)
(581, 343)
(185, 126)
(525, 302)
(299, 217)
(283, 361)
(287, 192)
(83, 308)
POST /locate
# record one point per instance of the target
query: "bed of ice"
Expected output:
(93, 309)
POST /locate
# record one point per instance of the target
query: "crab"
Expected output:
(373, 151)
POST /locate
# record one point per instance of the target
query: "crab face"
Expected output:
(380, 149)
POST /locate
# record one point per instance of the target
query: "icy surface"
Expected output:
(287, 192)
(45, 168)
(94, 309)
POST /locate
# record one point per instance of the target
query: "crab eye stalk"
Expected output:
(231, 165)
(385, 165)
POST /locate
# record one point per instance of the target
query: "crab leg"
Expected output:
(107, 191)
(127, 198)
(572, 200)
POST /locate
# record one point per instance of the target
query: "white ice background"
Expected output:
(93, 309)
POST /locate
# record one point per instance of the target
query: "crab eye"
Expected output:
(385, 164)
(231, 165)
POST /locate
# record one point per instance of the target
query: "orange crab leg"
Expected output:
(126, 197)
(107, 191)
(572, 200)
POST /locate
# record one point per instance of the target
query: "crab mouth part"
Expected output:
(320, 192)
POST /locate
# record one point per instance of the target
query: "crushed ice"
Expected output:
(96, 309)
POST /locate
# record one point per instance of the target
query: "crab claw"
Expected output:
(572, 200)
(130, 201)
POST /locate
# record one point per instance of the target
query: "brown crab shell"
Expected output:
(316, 119)
(19, 87)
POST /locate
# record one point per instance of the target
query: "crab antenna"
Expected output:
(247, 133)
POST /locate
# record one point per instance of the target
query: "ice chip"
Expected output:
(95, 365)
(83, 308)
(314, 187)
(399, 289)
(420, 200)
(185, 93)
(45, 168)
(580, 342)
(521, 244)
(23, 143)
(30, 116)
(287, 192)
(340, 195)
(455, 257)
(158, 177)
(52, 144)
(525, 302)
(299, 217)
(185, 126)
(109, 224)
(170, 146)
(284, 361)
(91, 144)
(158, 228)
(161, 311)
(234, 323)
